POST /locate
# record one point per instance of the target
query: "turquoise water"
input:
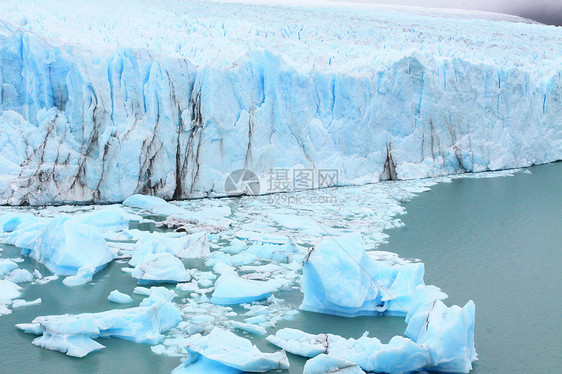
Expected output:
(496, 241)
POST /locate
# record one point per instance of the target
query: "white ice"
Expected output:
(74, 334)
(229, 349)
(232, 289)
(8, 292)
(82, 276)
(324, 364)
(167, 98)
(371, 287)
(160, 268)
(119, 297)
(62, 244)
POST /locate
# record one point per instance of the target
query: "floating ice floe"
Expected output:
(12, 220)
(249, 327)
(62, 244)
(400, 355)
(228, 349)
(324, 364)
(74, 334)
(82, 276)
(341, 279)
(231, 289)
(20, 276)
(439, 338)
(177, 217)
(21, 303)
(7, 266)
(8, 292)
(119, 297)
(300, 343)
(448, 332)
(239, 259)
(113, 218)
(160, 268)
(185, 246)
(285, 252)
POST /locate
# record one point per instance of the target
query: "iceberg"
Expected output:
(202, 365)
(160, 268)
(268, 251)
(186, 246)
(112, 218)
(21, 303)
(400, 355)
(448, 332)
(300, 343)
(228, 349)
(20, 276)
(74, 334)
(82, 276)
(8, 292)
(249, 327)
(324, 364)
(371, 287)
(11, 221)
(177, 217)
(438, 338)
(231, 289)
(144, 110)
(62, 244)
(119, 297)
(7, 266)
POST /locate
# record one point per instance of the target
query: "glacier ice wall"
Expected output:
(85, 126)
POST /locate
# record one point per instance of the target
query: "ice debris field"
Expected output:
(208, 291)
(101, 100)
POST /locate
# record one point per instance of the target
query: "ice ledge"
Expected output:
(79, 126)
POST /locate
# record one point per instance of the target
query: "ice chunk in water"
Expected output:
(113, 218)
(74, 334)
(227, 348)
(187, 246)
(324, 364)
(64, 245)
(341, 279)
(6, 266)
(119, 297)
(8, 292)
(231, 289)
(82, 276)
(160, 268)
(448, 332)
(400, 355)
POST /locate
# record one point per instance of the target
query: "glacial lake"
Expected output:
(497, 241)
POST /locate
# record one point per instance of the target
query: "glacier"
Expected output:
(101, 104)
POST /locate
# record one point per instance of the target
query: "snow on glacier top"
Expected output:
(351, 38)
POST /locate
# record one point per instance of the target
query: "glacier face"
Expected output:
(88, 115)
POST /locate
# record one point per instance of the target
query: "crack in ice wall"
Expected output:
(80, 125)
